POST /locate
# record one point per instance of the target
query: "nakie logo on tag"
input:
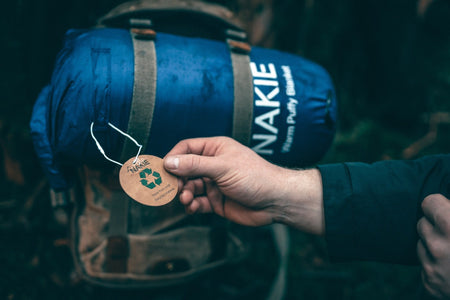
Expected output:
(146, 181)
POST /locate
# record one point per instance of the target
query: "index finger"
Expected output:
(436, 209)
(191, 146)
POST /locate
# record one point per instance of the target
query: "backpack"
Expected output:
(118, 243)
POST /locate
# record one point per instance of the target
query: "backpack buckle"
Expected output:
(237, 41)
(142, 29)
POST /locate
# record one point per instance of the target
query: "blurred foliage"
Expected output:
(391, 69)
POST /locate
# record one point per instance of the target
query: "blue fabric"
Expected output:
(371, 210)
(93, 82)
(311, 85)
(194, 91)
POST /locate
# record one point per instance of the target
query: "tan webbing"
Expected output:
(243, 86)
(139, 126)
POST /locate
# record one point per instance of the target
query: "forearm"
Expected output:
(371, 210)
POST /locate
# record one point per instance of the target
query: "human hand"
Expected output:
(222, 176)
(433, 247)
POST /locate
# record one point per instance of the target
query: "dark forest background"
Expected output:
(390, 62)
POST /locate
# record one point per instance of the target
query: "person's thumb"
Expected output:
(191, 165)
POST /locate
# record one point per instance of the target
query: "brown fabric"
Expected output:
(182, 17)
(117, 251)
(187, 246)
(161, 247)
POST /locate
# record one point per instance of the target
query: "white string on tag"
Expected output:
(121, 132)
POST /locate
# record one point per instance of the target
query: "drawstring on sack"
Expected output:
(121, 132)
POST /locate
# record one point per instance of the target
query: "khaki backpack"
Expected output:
(119, 243)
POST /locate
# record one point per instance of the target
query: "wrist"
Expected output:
(299, 202)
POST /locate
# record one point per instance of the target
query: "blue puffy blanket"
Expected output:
(294, 111)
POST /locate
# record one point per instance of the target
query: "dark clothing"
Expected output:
(371, 210)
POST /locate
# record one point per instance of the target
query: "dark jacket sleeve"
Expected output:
(371, 210)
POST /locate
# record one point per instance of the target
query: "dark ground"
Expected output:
(391, 69)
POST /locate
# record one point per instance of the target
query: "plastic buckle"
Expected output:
(142, 29)
(237, 41)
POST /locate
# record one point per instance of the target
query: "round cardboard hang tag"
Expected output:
(147, 182)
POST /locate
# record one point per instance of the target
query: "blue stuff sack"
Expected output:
(294, 107)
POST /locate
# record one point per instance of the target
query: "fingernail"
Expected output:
(172, 162)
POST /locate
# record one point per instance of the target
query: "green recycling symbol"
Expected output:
(156, 178)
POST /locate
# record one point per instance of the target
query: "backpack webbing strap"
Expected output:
(243, 86)
(139, 125)
(117, 248)
(144, 88)
(281, 239)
